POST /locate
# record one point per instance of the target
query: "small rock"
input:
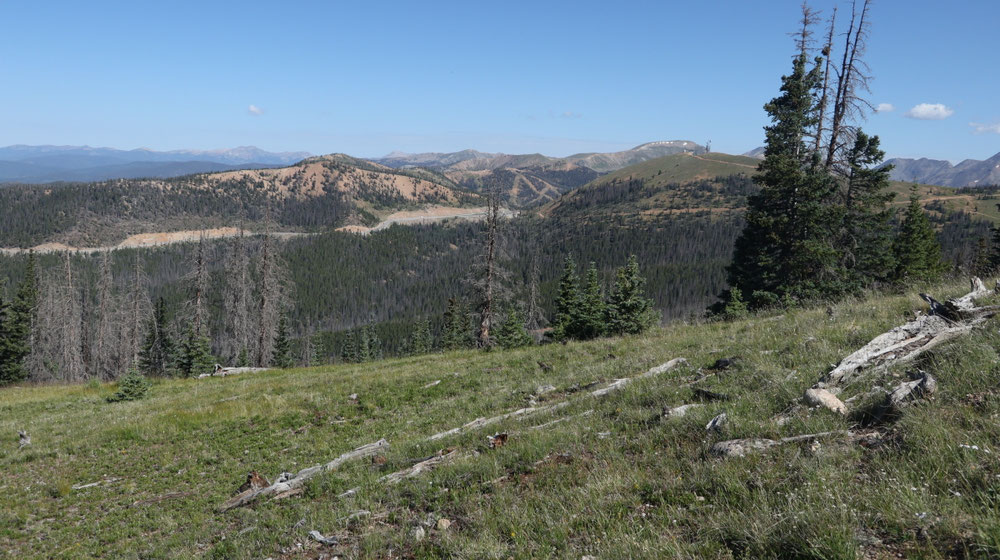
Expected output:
(418, 533)
(588, 557)
(353, 397)
(443, 524)
(724, 363)
(715, 424)
(542, 389)
(740, 447)
(680, 411)
(25, 439)
(318, 537)
(826, 399)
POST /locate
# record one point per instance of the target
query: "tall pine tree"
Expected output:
(590, 318)
(916, 248)
(786, 248)
(157, 354)
(629, 311)
(567, 301)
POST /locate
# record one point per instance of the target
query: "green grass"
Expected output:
(621, 482)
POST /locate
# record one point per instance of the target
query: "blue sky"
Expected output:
(366, 78)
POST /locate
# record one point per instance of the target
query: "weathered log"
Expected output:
(740, 447)
(905, 342)
(227, 371)
(421, 467)
(288, 482)
(716, 424)
(680, 411)
(609, 388)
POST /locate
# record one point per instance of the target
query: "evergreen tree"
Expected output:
(196, 354)
(349, 353)
(993, 261)
(981, 259)
(421, 342)
(9, 371)
(590, 318)
(865, 240)
(282, 356)
(513, 333)
(157, 353)
(916, 248)
(628, 310)
(19, 332)
(567, 301)
(456, 327)
(786, 247)
(372, 345)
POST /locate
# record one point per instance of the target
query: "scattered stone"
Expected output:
(318, 537)
(542, 389)
(826, 399)
(724, 363)
(25, 439)
(740, 447)
(443, 524)
(680, 411)
(707, 395)
(353, 397)
(715, 424)
(418, 533)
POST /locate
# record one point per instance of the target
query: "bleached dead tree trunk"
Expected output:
(487, 311)
(103, 361)
(138, 308)
(272, 295)
(239, 294)
(71, 366)
(851, 79)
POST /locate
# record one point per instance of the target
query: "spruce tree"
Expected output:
(282, 356)
(456, 331)
(9, 371)
(421, 342)
(993, 261)
(916, 248)
(590, 319)
(157, 353)
(195, 355)
(349, 352)
(865, 238)
(786, 247)
(372, 344)
(21, 319)
(567, 302)
(513, 333)
(628, 310)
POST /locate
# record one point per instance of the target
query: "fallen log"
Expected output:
(740, 447)
(609, 388)
(904, 343)
(421, 467)
(227, 371)
(289, 482)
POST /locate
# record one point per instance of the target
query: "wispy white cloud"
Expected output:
(981, 128)
(930, 112)
(255, 110)
(885, 108)
(570, 115)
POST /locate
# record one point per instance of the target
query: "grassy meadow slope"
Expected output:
(620, 481)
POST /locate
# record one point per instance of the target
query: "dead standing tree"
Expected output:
(492, 274)
(138, 310)
(198, 282)
(238, 300)
(104, 360)
(272, 295)
(852, 79)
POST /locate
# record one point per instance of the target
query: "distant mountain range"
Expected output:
(969, 173)
(43, 164)
(531, 179)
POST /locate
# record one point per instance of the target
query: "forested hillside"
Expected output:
(313, 195)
